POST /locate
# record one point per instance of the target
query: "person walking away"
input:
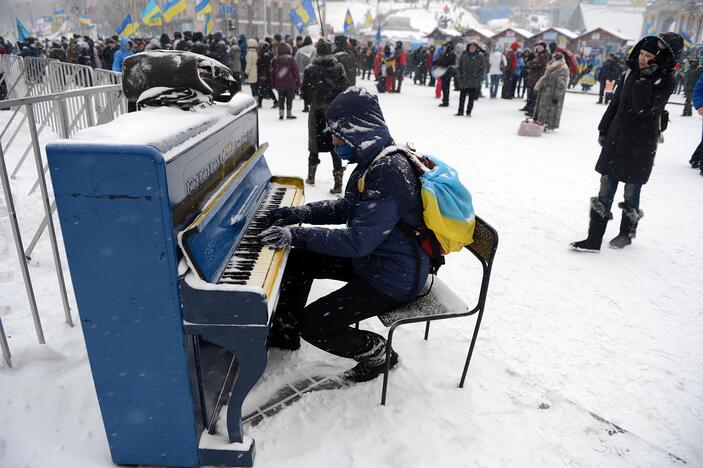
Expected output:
(400, 66)
(285, 77)
(341, 53)
(610, 71)
(429, 64)
(469, 76)
(517, 73)
(552, 91)
(263, 72)
(303, 57)
(497, 64)
(692, 75)
(368, 54)
(389, 61)
(323, 80)
(383, 268)
(250, 71)
(628, 133)
(536, 67)
(522, 79)
(445, 71)
(234, 56)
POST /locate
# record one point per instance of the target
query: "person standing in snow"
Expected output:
(610, 71)
(285, 78)
(469, 76)
(263, 72)
(692, 75)
(303, 57)
(536, 67)
(497, 64)
(382, 266)
(323, 80)
(629, 132)
(250, 71)
(343, 56)
(509, 71)
(552, 90)
(124, 52)
(697, 97)
(444, 69)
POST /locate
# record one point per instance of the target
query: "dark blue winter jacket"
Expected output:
(379, 194)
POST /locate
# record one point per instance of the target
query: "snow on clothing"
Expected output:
(251, 58)
(631, 123)
(303, 57)
(285, 75)
(469, 73)
(552, 90)
(382, 255)
(323, 80)
(120, 55)
(536, 67)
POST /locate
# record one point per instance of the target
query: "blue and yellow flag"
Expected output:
(127, 28)
(303, 15)
(209, 23)
(59, 16)
(687, 41)
(202, 7)
(151, 15)
(173, 8)
(447, 207)
(348, 22)
(85, 19)
(368, 21)
(22, 32)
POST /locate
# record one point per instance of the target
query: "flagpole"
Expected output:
(322, 22)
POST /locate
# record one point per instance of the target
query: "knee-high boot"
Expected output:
(312, 168)
(628, 226)
(338, 174)
(599, 217)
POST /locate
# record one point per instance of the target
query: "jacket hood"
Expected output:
(284, 49)
(355, 117)
(123, 44)
(668, 47)
(515, 46)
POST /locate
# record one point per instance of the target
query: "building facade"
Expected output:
(675, 15)
(597, 42)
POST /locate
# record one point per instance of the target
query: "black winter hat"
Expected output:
(340, 41)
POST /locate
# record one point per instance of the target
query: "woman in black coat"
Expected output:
(629, 132)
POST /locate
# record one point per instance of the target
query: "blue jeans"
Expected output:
(495, 82)
(608, 187)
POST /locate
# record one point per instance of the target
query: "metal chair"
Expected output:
(441, 303)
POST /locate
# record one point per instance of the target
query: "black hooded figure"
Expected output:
(629, 133)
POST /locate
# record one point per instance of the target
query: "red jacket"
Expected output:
(285, 74)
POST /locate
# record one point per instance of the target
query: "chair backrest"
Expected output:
(485, 242)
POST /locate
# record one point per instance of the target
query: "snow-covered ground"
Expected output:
(569, 340)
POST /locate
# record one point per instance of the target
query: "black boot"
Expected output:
(596, 228)
(695, 160)
(371, 363)
(312, 168)
(280, 114)
(628, 226)
(338, 175)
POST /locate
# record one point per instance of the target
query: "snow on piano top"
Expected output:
(167, 129)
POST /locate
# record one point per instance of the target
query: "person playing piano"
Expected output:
(383, 267)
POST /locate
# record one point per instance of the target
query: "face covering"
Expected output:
(344, 151)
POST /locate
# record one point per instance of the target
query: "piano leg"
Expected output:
(248, 344)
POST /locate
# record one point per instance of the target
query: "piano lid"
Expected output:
(167, 129)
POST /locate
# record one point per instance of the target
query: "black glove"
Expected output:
(650, 70)
(285, 216)
(555, 101)
(276, 237)
(601, 139)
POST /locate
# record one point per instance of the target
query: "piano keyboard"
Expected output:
(253, 263)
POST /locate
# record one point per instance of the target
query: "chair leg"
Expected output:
(389, 347)
(471, 349)
(427, 330)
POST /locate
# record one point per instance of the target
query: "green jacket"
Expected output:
(469, 73)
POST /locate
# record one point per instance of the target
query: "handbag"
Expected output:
(531, 128)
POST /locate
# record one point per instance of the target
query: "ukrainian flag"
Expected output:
(59, 16)
(687, 41)
(22, 32)
(368, 22)
(173, 8)
(151, 15)
(447, 207)
(85, 19)
(128, 27)
(348, 22)
(209, 24)
(203, 7)
(303, 15)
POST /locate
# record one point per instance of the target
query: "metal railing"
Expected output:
(64, 97)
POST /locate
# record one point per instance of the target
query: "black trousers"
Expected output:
(327, 322)
(285, 97)
(472, 94)
(446, 82)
